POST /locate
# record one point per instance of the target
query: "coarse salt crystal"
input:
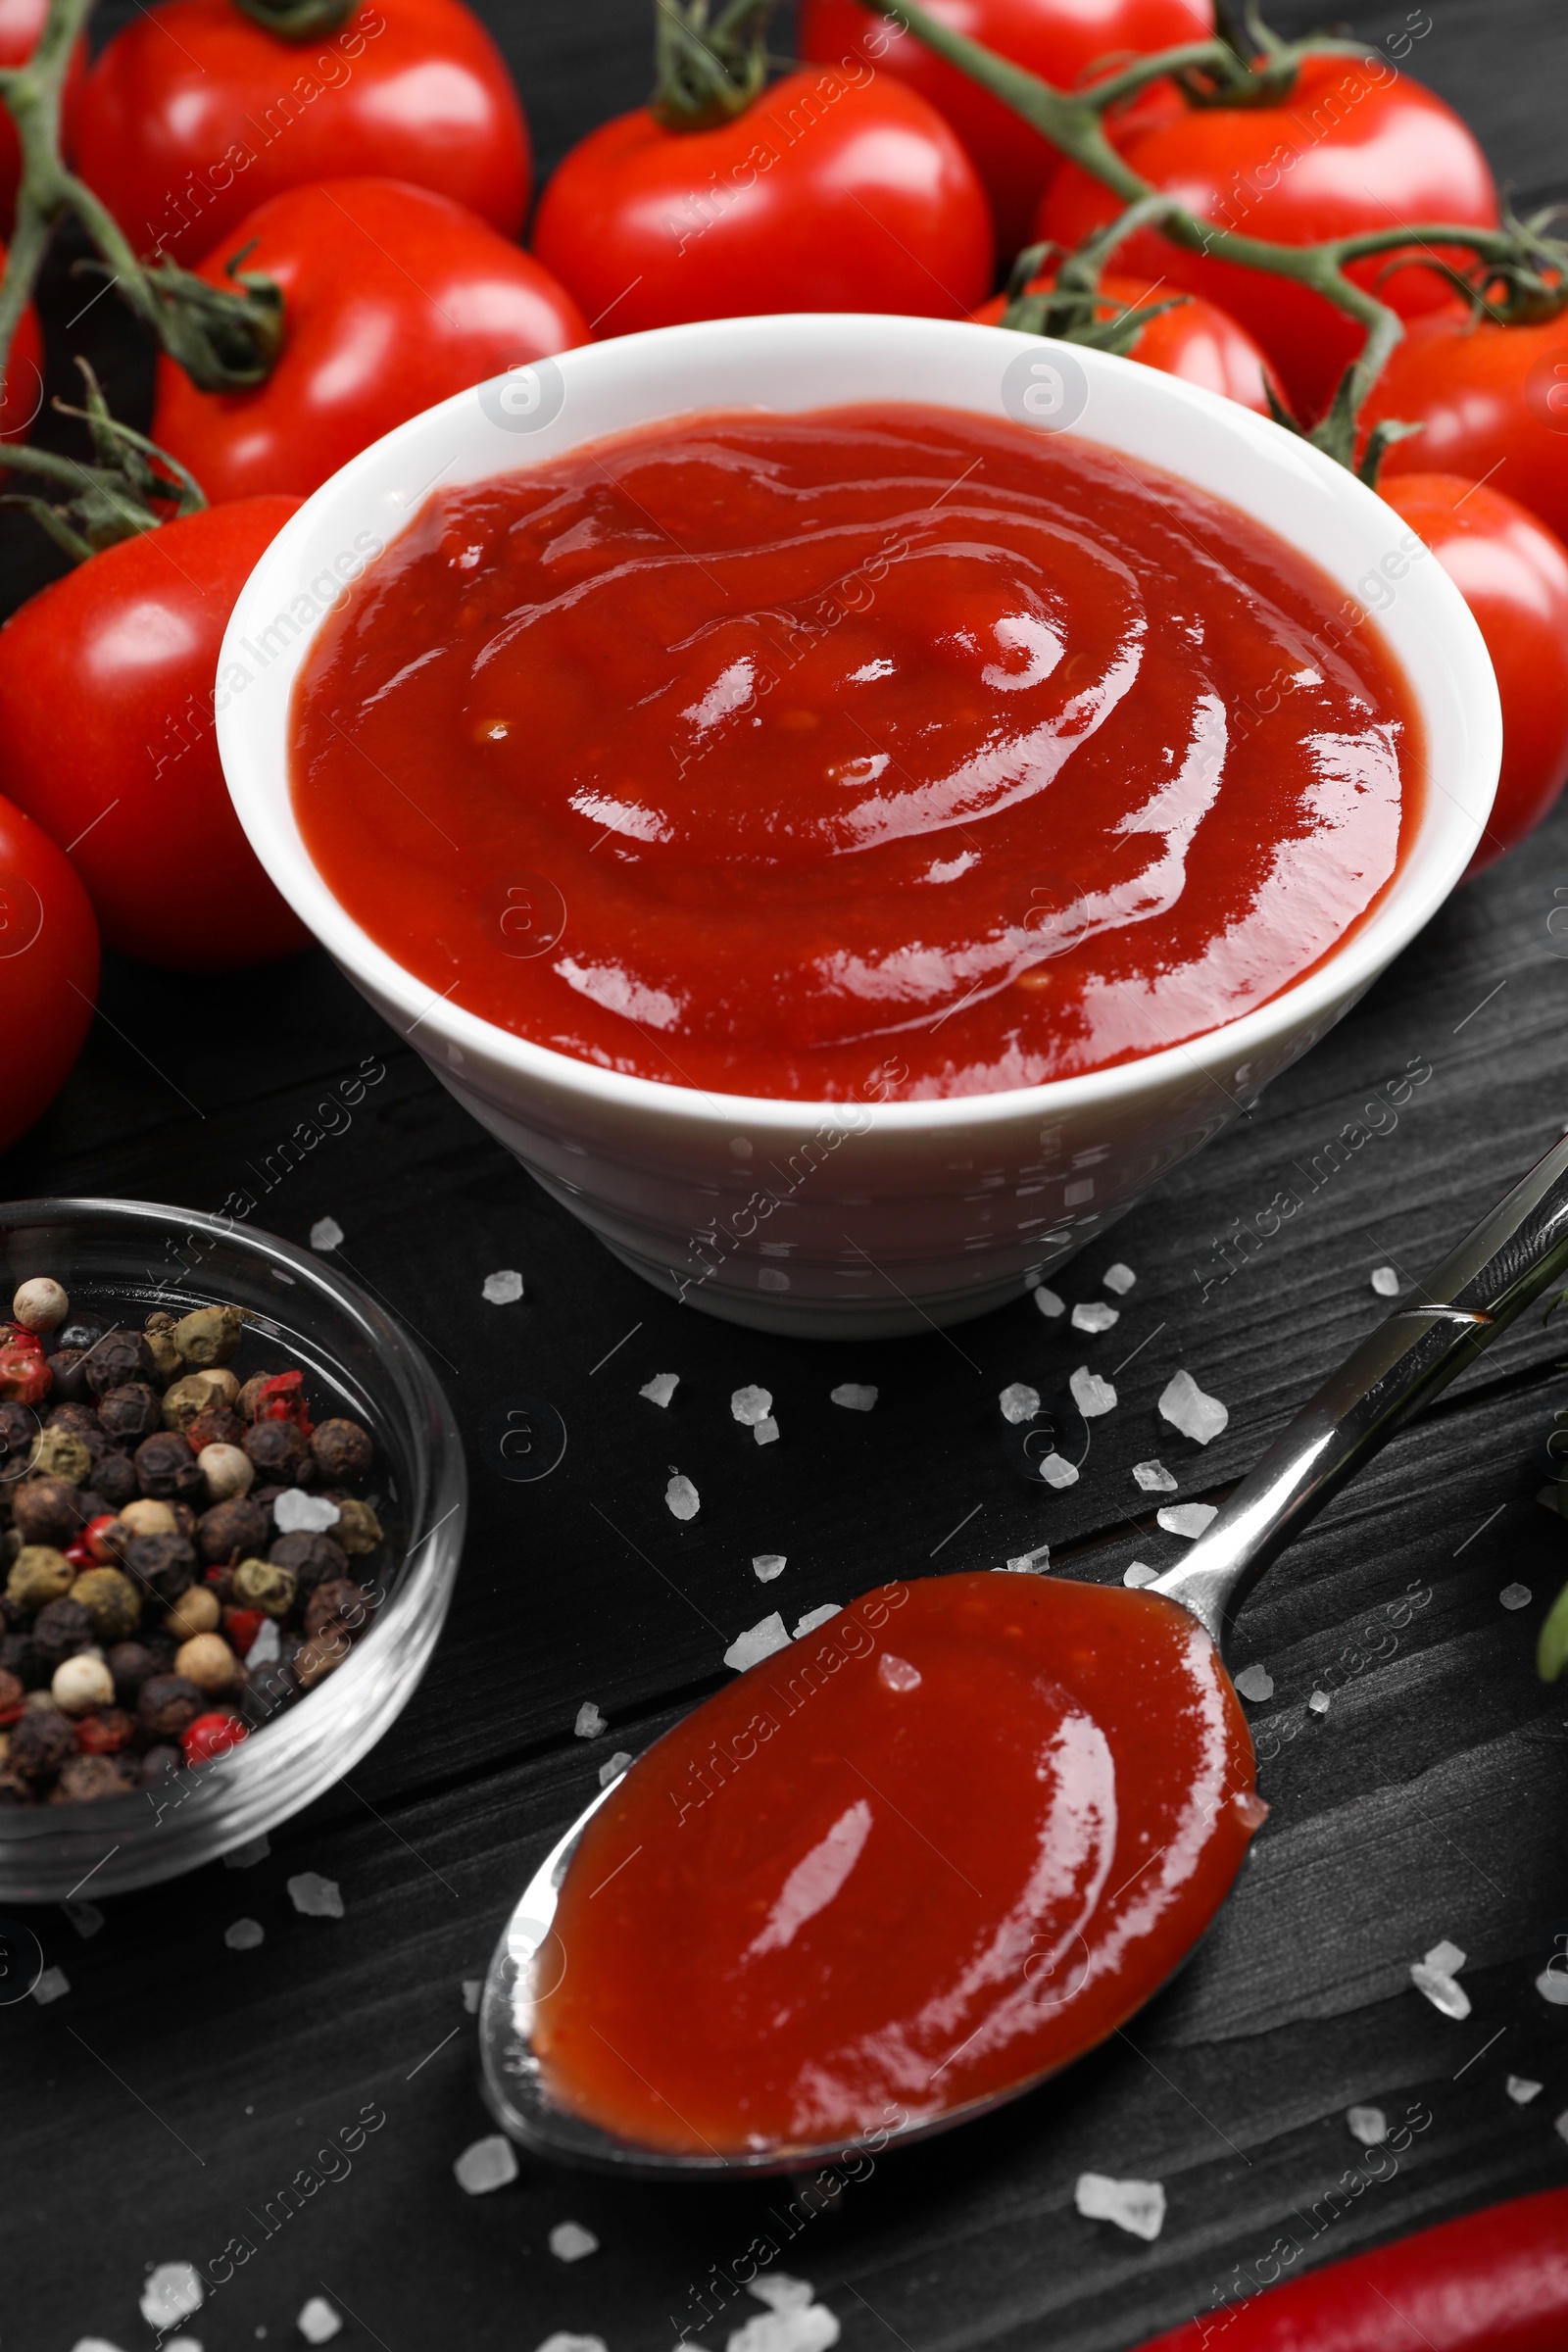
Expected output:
(295, 1513)
(1118, 1278)
(472, 1987)
(1031, 1563)
(570, 2241)
(661, 1388)
(93, 2343)
(316, 1896)
(1250, 1809)
(1136, 2206)
(1184, 1405)
(1058, 1471)
(327, 1234)
(1092, 1314)
(816, 1617)
(1445, 1957)
(171, 2291)
(1442, 1989)
(1018, 1402)
(682, 1497)
(565, 2341)
(1522, 2090)
(780, 2292)
(1255, 1683)
(1515, 1596)
(1091, 1395)
(244, 1935)
(85, 1918)
(1319, 1702)
(795, 2328)
(1187, 1518)
(1368, 2125)
(503, 1289)
(317, 2321)
(614, 1766)
(1551, 1985)
(1139, 1573)
(265, 1650)
(854, 1397)
(255, 1849)
(1154, 1477)
(50, 1985)
(1560, 2126)
(897, 1673)
(765, 1432)
(758, 1641)
(750, 1405)
(486, 2164)
(1050, 1303)
(765, 1565)
(590, 1723)
(1385, 1281)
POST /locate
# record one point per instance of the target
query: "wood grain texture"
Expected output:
(156, 2110)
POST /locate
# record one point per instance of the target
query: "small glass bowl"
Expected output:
(127, 1258)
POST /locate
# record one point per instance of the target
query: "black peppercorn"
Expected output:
(130, 1412)
(82, 1422)
(123, 1355)
(19, 1657)
(41, 1741)
(160, 1764)
(163, 1565)
(232, 1530)
(315, 1559)
(115, 1478)
(80, 1332)
(270, 1686)
(132, 1663)
(277, 1449)
(87, 1777)
(216, 1426)
(336, 1606)
(62, 1630)
(167, 1467)
(46, 1511)
(342, 1450)
(68, 1375)
(166, 1705)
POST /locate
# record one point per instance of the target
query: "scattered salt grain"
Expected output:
(1018, 1402)
(765, 1432)
(93, 2343)
(780, 2292)
(614, 1766)
(758, 1641)
(1092, 1314)
(897, 1673)
(316, 1896)
(1058, 1471)
(1368, 2125)
(505, 1287)
(1522, 2090)
(327, 1234)
(790, 2326)
(1255, 1683)
(1385, 1281)
(1184, 1405)
(1138, 1573)
(472, 1987)
(183, 2343)
(295, 1513)
(1319, 1702)
(852, 1397)
(1136, 2206)
(590, 1723)
(1515, 1596)
(565, 2341)
(1551, 1985)
(318, 2323)
(1435, 1976)
(750, 1405)
(1154, 1477)
(1187, 1518)
(1031, 1563)
(265, 1650)
(1091, 1395)
(1445, 1956)
(1048, 1304)
(50, 1985)
(661, 1388)
(487, 2163)
(1560, 2126)
(1118, 1278)
(85, 1918)
(255, 1849)
(816, 1617)
(173, 2292)
(682, 1497)
(570, 2241)
(244, 1935)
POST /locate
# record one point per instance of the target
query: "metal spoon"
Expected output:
(1513, 1255)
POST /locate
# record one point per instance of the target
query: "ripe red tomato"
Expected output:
(48, 970)
(1513, 574)
(835, 191)
(393, 299)
(106, 740)
(1196, 341)
(195, 114)
(1492, 402)
(20, 22)
(22, 385)
(1357, 146)
(1060, 40)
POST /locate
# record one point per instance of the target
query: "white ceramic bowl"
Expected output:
(823, 1219)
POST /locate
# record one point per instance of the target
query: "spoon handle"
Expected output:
(1517, 1252)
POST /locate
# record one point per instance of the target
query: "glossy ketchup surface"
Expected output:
(941, 1846)
(776, 753)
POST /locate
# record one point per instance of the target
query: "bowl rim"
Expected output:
(1319, 996)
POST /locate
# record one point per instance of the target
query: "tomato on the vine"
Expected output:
(195, 114)
(1194, 339)
(22, 385)
(20, 22)
(1062, 41)
(48, 970)
(393, 299)
(1350, 150)
(1492, 401)
(107, 740)
(1513, 574)
(833, 191)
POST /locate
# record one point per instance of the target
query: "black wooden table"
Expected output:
(157, 2108)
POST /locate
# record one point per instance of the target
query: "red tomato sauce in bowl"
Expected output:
(756, 752)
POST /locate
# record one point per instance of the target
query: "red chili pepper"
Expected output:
(92, 1535)
(10, 1714)
(212, 1735)
(282, 1398)
(24, 1377)
(241, 1625)
(1490, 2281)
(19, 1336)
(104, 1735)
(81, 1555)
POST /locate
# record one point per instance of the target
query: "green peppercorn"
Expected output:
(60, 1453)
(112, 1601)
(358, 1528)
(208, 1336)
(40, 1574)
(186, 1400)
(263, 1584)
